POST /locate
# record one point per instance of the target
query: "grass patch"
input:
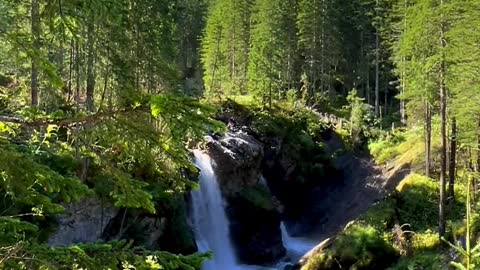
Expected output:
(428, 260)
(418, 203)
(415, 203)
(399, 147)
(381, 215)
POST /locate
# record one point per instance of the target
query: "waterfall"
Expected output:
(296, 247)
(212, 228)
(211, 223)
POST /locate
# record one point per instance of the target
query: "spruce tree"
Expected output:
(272, 57)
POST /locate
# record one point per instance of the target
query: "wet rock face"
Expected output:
(238, 158)
(255, 232)
(90, 221)
(301, 177)
(82, 222)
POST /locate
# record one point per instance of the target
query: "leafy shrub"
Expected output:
(418, 203)
(427, 240)
(418, 200)
(380, 215)
(118, 255)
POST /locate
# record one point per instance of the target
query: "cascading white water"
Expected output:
(211, 224)
(296, 247)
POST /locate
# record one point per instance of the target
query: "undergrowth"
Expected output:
(405, 222)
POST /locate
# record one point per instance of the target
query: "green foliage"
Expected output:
(125, 159)
(359, 247)
(381, 215)
(428, 260)
(114, 255)
(413, 207)
(360, 114)
(258, 196)
(469, 253)
(418, 201)
(270, 68)
(225, 47)
(320, 44)
(301, 133)
(399, 148)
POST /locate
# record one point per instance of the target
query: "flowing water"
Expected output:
(211, 224)
(296, 247)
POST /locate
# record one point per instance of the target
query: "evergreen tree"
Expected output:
(225, 46)
(272, 57)
(319, 43)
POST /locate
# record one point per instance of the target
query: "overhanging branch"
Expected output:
(87, 119)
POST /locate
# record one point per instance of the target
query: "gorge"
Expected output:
(251, 189)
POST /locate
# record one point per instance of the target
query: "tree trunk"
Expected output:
(377, 73)
(77, 74)
(428, 138)
(105, 86)
(478, 146)
(217, 52)
(90, 64)
(403, 111)
(70, 70)
(452, 163)
(477, 165)
(386, 98)
(369, 100)
(443, 134)
(36, 30)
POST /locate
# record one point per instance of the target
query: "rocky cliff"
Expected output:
(267, 176)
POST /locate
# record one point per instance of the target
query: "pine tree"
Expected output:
(225, 46)
(36, 29)
(318, 43)
(272, 57)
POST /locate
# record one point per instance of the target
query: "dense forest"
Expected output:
(102, 104)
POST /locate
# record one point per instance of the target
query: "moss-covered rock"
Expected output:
(359, 247)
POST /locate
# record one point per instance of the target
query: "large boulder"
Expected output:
(251, 208)
(92, 220)
(168, 229)
(82, 222)
(237, 161)
(255, 227)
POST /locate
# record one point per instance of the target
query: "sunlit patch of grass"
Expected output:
(399, 148)
(404, 147)
(245, 100)
(427, 240)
